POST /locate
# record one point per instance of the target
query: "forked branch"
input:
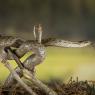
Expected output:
(27, 74)
(18, 79)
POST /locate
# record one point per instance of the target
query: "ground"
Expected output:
(71, 88)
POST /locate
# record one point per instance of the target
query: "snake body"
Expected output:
(23, 46)
(66, 44)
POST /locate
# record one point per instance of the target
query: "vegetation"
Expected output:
(73, 87)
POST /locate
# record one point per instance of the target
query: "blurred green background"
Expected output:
(61, 64)
(67, 19)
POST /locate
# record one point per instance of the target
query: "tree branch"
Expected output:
(18, 79)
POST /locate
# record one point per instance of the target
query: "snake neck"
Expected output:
(40, 52)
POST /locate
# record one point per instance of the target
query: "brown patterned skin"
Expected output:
(36, 58)
(29, 63)
(21, 47)
(65, 44)
(8, 41)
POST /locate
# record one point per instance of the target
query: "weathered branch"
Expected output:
(38, 83)
(29, 63)
(27, 74)
(18, 79)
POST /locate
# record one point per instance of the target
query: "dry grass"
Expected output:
(71, 88)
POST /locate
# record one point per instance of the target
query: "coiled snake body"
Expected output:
(21, 47)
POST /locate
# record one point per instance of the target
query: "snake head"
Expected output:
(37, 32)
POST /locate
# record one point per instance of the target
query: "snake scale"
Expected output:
(20, 47)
